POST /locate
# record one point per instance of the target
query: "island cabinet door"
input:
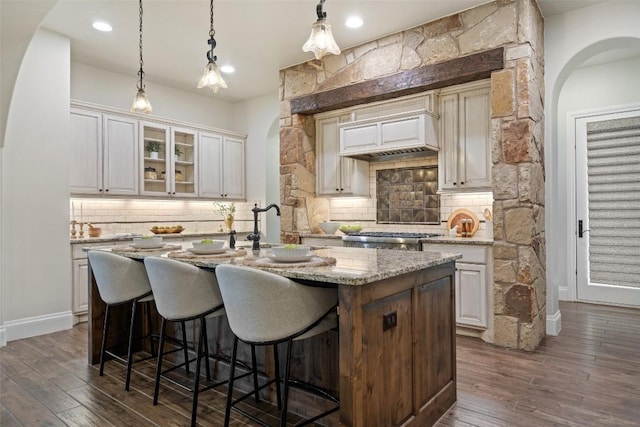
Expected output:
(397, 350)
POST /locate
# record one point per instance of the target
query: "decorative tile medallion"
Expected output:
(407, 196)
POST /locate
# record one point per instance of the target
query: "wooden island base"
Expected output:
(392, 361)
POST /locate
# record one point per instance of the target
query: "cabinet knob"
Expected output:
(174, 193)
(454, 183)
(337, 189)
(106, 190)
(100, 190)
(461, 182)
(342, 189)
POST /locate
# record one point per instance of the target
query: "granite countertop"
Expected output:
(322, 236)
(354, 266)
(437, 239)
(481, 240)
(123, 237)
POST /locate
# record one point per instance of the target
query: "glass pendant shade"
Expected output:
(321, 40)
(141, 103)
(212, 78)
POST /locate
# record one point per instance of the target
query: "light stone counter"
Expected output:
(457, 240)
(354, 266)
(129, 237)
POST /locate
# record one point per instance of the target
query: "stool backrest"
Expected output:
(119, 279)
(264, 307)
(182, 291)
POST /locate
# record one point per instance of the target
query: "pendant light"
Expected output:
(141, 103)
(211, 76)
(321, 39)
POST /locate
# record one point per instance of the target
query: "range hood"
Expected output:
(409, 134)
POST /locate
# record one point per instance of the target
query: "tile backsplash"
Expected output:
(407, 196)
(363, 210)
(138, 216)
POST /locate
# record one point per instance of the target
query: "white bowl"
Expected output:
(293, 251)
(329, 227)
(208, 244)
(147, 242)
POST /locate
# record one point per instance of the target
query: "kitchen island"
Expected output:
(395, 349)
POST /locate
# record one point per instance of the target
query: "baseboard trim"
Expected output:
(554, 323)
(3, 337)
(38, 325)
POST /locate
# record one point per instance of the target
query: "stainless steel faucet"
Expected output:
(255, 236)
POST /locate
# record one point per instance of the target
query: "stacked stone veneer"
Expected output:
(519, 288)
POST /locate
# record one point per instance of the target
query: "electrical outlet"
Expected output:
(389, 320)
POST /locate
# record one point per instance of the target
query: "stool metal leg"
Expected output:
(255, 373)
(147, 309)
(203, 325)
(130, 349)
(232, 372)
(156, 388)
(287, 369)
(105, 331)
(277, 374)
(184, 344)
(196, 383)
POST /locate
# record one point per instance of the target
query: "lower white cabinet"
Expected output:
(473, 276)
(80, 279)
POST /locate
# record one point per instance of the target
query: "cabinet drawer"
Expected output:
(470, 253)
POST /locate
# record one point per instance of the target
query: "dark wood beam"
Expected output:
(466, 69)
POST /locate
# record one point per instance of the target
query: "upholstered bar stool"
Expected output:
(266, 309)
(120, 280)
(184, 292)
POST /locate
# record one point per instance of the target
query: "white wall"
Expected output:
(98, 86)
(36, 270)
(570, 39)
(255, 117)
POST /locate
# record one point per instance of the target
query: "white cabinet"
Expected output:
(337, 176)
(473, 276)
(411, 131)
(464, 163)
(172, 171)
(221, 171)
(80, 279)
(104, 154)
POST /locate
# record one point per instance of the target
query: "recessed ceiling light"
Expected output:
(102, 26)
(354, 22)
(227, 69)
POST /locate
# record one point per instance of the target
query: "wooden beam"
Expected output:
(466, 69)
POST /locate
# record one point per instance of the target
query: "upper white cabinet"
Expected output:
(221, 171)
(170, 170)
(115, 153)
(104, 154)
(465, 138)
(411, 131)
(336, 175)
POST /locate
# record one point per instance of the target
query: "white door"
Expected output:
(210, 171)
(608, 208)
(233, 167)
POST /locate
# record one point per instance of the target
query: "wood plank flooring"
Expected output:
(587, 376)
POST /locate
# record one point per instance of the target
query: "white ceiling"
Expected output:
(257, 37)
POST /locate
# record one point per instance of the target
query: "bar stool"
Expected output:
(121, 280)
(266, 309)
(184, 292)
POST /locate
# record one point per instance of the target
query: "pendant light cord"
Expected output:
(140, 85)
(212, 32)
(212, 41)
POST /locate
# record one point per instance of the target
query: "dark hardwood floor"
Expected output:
(587, 376)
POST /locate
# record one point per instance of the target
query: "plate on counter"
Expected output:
(206, 251)
(300, 258)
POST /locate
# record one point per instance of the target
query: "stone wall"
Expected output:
(519, 289)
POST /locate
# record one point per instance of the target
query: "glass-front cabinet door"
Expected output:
(184, 164)
(168, 161)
